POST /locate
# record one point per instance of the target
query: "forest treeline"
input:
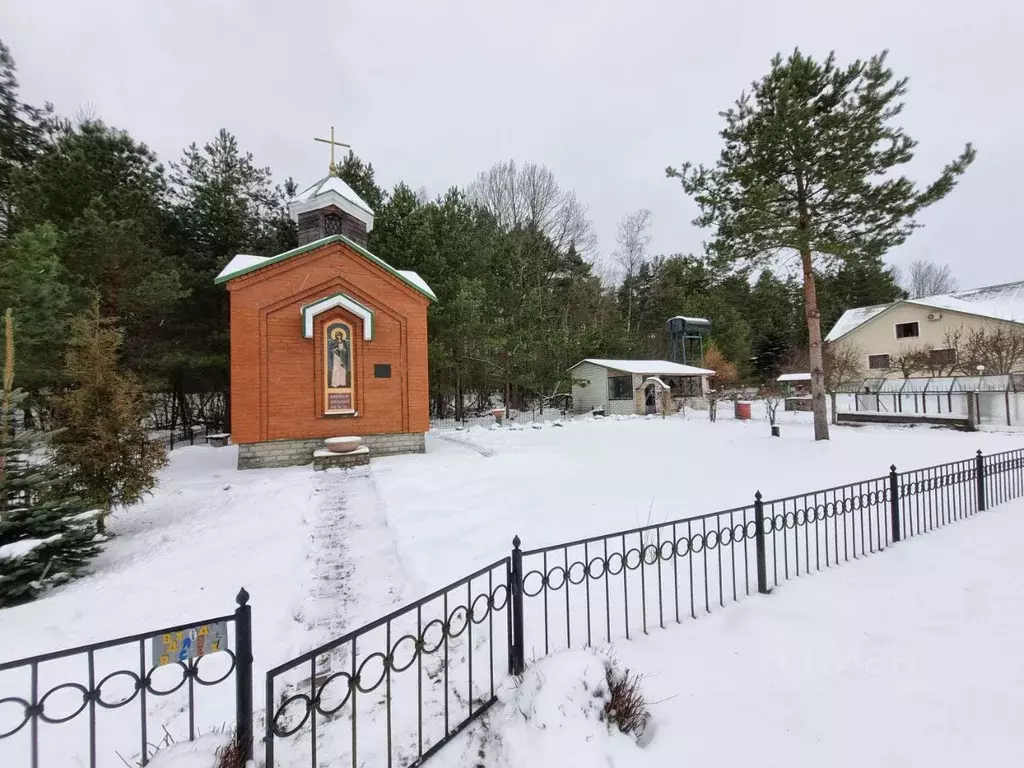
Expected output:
(524, 288)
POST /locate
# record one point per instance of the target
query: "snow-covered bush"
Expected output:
(574, 708)
(210, 750)
(626, 707)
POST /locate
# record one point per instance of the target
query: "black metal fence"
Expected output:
(595, 589)
(41, 705)
(405, 684)
(180, 436)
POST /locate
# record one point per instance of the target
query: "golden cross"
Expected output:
(333, 143)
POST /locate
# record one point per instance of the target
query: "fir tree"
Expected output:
(35, 288)
(359, 175)
(808, 168)
(103, 448)
(45, 538)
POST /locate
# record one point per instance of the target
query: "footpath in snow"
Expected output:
(910, 657)
(286, 535)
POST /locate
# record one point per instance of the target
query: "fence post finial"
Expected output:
(243, 673)
(517, 655)
(894, 504)
(979, 471)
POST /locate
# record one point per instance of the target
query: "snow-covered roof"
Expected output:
(243, 264)
(656, 380)
(240, 264)
(854, 318)
(691, 319)
(996, 309)
(794, 377)
(418, 281)
(331, 190)
(999, 302)
(648, 367)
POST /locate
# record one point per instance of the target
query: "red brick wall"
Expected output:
(277, 376)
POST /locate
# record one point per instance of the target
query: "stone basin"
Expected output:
(342, 444)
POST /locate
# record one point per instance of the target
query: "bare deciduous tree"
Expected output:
(631, 253)
(926, 278)
(912, 360)
(843, 362)
(772, 397)
(999, 348)
(528, 195)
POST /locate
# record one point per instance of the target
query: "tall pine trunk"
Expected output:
(814, 336)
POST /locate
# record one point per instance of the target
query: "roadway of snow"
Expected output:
(323, 553)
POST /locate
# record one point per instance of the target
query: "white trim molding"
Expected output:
(310, 311)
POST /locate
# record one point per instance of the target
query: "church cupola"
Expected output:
(331, 207)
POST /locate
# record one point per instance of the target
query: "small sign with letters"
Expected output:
(191, 643)
(339, 401)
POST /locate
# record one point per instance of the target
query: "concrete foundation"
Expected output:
(291, 453)
(325, 459)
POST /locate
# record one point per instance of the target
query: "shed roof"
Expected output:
(794, 377)
(647, 367)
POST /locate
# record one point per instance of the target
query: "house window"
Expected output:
(942, 357)
(688, 386)
(878, 362)
(907, 330)
(620, 387)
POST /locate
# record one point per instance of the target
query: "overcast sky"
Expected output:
(606, 94)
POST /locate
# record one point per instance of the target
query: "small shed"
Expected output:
(795, 383)
(621, 386)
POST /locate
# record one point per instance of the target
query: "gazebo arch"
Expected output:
(654, 396)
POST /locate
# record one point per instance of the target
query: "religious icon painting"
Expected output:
(339, 379)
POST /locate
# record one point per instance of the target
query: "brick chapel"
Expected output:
(326, 339)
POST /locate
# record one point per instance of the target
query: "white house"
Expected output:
(887, 333)
(618, 386)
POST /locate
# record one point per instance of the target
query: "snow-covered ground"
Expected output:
(907, 658)
(321, 554)
(594, 477)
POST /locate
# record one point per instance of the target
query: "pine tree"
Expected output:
(224, 204)
(808, 168)
(103, 448)
(106, 195)
(22, 133)
(45, 538)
